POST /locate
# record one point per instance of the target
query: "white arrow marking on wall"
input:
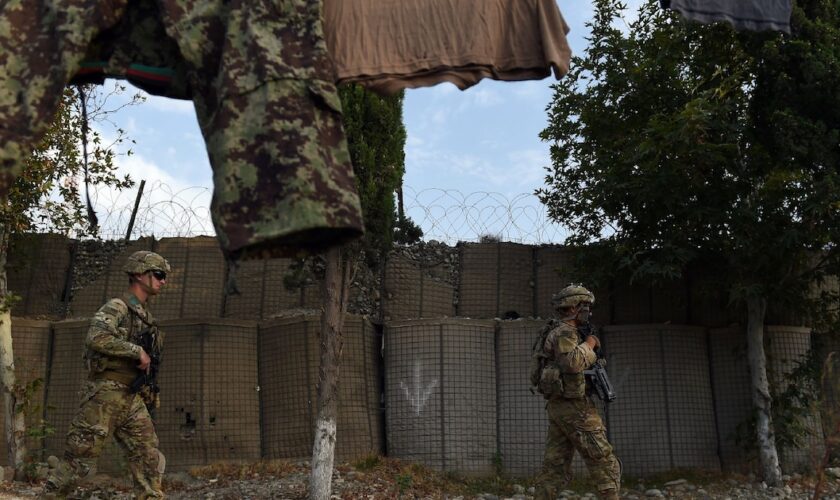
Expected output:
(418, 396)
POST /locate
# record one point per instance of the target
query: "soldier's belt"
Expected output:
(116, 376)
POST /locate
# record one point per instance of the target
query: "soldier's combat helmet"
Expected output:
(143, 261)
(571, 296)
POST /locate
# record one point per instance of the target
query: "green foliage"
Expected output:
(47, 196)
(8, 301)
(795, 402)
(406, 231)
(674, 143)
(498, 463)
(376, 139)
(404, 482)
(368, 463)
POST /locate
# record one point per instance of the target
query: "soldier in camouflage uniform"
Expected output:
(574, 422)
(261, 80)
(114, 359)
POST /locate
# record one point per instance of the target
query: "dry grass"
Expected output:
(248, 470)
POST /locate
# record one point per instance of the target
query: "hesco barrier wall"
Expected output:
(111, 283)
(830, 404)
(657, 423)
(522, 419)
(496, 279)
(31, 342)
(410, 292)
(210, 408)
(553, 270)
(788, 347)
(37, 271)
(733, 401)
(194, 288)
(440, 389)
(66, 376)
(261, 290)
(289, 362)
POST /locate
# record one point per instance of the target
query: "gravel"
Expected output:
(353, 484)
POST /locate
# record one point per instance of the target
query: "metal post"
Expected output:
(134, 212)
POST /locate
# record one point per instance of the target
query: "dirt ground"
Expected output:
(379, 478)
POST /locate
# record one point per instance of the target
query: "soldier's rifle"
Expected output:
(596, 375)
(148, 378)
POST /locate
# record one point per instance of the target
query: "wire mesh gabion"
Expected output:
(289, 363)
(441, 393)
(31, 341)
(656, 424)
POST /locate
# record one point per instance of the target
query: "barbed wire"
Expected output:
(450, 216)
(163, 211)
(446, 215)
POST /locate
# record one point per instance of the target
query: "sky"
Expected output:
(473, 158)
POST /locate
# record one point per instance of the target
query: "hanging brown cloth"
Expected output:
(389, 45)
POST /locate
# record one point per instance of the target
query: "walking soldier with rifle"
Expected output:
(122, 354)
(565, 362)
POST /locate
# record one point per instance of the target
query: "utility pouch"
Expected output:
(551, 382)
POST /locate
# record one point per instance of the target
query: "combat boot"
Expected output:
(609, 495)
(58, 480)
(545, 492)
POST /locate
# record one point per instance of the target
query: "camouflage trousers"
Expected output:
(258, 73)
(574, 424)
(108, 409)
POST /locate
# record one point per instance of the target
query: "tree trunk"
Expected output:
(762, 401)
(15, 428)
(334, 296)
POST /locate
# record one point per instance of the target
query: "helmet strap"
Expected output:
(147, 287)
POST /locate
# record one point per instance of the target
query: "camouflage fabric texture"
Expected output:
(573, 421)
(260, 78)
(568, 358)
(574, 424)
(107, 408)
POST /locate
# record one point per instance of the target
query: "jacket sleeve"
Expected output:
(571, 356)
(104, 335)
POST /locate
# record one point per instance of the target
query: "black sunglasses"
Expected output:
(159, 275)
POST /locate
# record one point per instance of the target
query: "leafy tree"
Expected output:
(47, 197)
(675, 143)
(376, 140)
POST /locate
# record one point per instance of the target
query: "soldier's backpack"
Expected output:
(539, 359)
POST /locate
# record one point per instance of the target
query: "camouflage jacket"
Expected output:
(262, 83)
(571, 357)
(113, 337)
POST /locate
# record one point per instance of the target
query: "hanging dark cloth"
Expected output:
(753, 15)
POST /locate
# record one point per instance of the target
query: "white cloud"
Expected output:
(167, 105)
(527, 167)
(532, 89)
(485, 97)
(169, 206)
